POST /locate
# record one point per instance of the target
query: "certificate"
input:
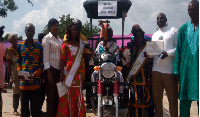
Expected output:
(154, 48)
(62, 88)
(25, 74)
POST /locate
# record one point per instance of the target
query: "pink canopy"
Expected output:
(119, 40)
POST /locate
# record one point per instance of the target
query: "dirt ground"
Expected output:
(8, 110)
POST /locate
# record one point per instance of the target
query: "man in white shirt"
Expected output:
(162, 72)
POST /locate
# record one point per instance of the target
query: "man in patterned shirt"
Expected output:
(30, 60)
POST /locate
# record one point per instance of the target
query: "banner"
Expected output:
(107, 8)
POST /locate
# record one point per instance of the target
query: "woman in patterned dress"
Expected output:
(72, 103)
(140, 98)
(11, 59)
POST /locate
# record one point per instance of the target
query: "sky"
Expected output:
(142, 12)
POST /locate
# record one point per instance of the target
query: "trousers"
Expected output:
(161, 81)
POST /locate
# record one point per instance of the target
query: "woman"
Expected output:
(11, 55)
(51, 58)
(72, 103)
(2, 71)
(140, 99)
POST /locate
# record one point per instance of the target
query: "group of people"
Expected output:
(179, 64)
(51, 61)
(35, 68)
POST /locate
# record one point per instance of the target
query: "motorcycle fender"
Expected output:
(107, 100)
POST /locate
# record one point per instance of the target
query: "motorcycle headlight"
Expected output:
(108, 69)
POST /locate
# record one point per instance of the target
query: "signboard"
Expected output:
(107, 8)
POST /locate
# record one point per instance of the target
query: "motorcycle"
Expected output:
(106, 85)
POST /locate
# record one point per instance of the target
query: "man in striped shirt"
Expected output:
(30, 60)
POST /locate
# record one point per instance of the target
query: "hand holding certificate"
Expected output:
(62, 88)
(24, 74)
(154, 48)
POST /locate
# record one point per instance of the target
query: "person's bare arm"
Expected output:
(62, 75)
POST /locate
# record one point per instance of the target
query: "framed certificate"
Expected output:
(154, 48)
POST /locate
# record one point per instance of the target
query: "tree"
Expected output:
(87, 32)
(5, 37)
(8, 5)
(20, 38)
(66, 20)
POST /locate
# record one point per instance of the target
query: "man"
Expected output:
(30, 60)
(186, 63)
(134, 28)
(109, 45)
(2, 71)
(162, 72)
(40, 37)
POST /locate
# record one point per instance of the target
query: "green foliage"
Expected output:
(8, 5)
(87, 31)
(66, 20)
(20, 38)
(5, 37)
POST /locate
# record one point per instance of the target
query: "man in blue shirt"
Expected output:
(134, 28)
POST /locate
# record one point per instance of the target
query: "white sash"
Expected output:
(113, 47)
(75, 66)
(136, 66)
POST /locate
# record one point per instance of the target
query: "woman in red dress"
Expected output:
(71, 104)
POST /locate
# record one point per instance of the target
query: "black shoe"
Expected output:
(89, 106)
(43, 113)
(4, 90)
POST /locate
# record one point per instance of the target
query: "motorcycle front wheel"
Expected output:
(107, 111)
